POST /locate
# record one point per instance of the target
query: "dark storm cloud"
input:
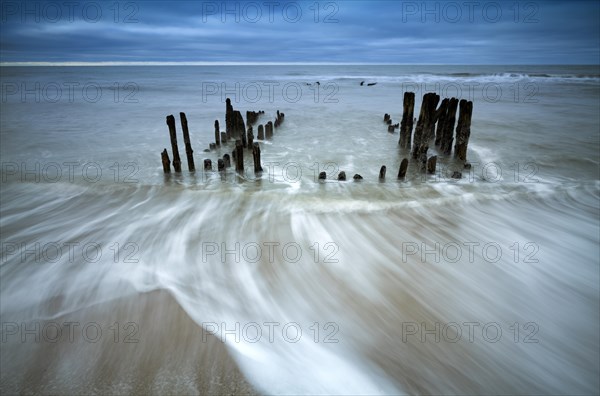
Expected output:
(458, 32)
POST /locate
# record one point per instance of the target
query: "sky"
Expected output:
(395, 32)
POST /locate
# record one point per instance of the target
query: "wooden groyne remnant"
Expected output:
(435, 127)
(237, 131)
(189, 153)
(173, 135)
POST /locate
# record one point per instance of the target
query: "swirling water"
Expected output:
(512, 247)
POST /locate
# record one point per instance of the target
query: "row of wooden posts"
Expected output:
(434, 125)
(235, 129)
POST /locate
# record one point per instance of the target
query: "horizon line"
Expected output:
(241, 63)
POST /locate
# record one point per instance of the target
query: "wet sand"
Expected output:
(170, 356)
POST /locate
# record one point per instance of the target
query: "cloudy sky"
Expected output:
(437, 32)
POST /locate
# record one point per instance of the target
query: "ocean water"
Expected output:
(484, 285)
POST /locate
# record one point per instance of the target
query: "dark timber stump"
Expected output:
(188, 145)
(269, 130)
(227, 161)
(217, 133)
(322, 176)
(406, 125)
(440, 116)
(382, 173)
(256, 156)
(166, 161)
(173, 134)
(424, 126)
(342, 176)
(261, 132)
(228, 118)
(448, 127)
(207, 164)
(223, 137)
(220, 165)
(250, 138)
(431, 163)
(239, 156)
(463, 130)
(403, 168)
(239, 127)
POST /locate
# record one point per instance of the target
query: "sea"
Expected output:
(116, 277)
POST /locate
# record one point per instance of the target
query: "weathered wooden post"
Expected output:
(207, 164)
(386, 117)
(188, 145)
(463, 130)
(223, 137)
(440, 116)
(252, 117)
(239, 156)
(256, 156)
(322, 176)
(220, 165)
(250, 138)
(382, 173)
(173, 134)
(228, 118)
(431, 163)
(357, 177)
(448, 127)
(269, 130)
(166, 161)
(217, 133)
(423, 129)
(406, 125)
(239, 127)
(227, 161)
(261, 132)
(403, 168)
(342, 176)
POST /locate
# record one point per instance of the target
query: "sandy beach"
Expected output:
(169, 356)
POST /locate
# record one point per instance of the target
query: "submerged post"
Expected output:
(256, 157)
(173, 134)
(217, 133)
(165, 161)
(448, 127)
(463, 130)
(403, 168)
(239, 127)
(228, 118)
(239, 156)
(440, 116)
(431, 163)
(382, 173)
(250, 138)
(227, 160)
(188, 145)
(423, 129)
(269, 130)
(261, 132)
(406, 125)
